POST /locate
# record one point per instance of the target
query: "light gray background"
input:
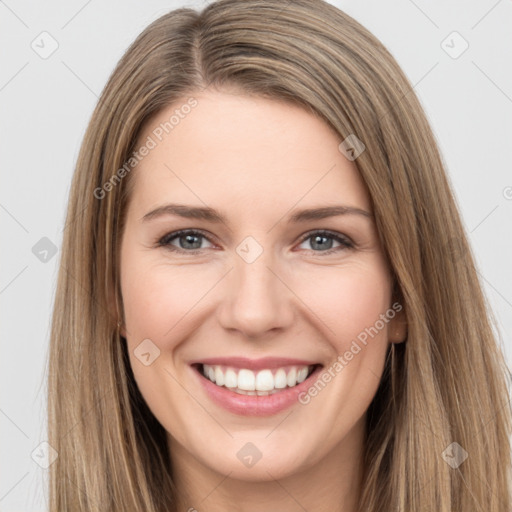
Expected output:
(46, 104)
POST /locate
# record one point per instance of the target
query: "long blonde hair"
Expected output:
(446, 384)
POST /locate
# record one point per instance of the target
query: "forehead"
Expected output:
(241, 151)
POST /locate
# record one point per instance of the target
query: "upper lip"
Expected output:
(255, 364)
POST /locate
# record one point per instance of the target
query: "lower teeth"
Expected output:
(254, 393)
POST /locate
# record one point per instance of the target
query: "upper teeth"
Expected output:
(263, 380)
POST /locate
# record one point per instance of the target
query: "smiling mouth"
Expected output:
(264, 382)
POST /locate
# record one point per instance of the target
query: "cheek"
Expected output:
(347, 300)
(349, 305)
(156, 298)
(156, 302)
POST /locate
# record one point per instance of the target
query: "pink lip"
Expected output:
(253, 405)
(254, 364)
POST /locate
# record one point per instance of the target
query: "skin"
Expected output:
(257, 162)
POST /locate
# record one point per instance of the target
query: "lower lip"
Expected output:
(253, 405)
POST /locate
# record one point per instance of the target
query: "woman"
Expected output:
(207, 352)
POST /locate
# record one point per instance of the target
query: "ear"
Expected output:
(115, 314)
(397, 327)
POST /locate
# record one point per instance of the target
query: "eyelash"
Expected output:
(168, 238)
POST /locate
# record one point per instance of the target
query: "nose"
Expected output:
(257, 298)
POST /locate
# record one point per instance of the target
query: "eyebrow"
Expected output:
(212, 215)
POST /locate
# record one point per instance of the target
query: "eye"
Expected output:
(322, 241)
(188, 240)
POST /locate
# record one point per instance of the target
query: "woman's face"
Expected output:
(279, 288)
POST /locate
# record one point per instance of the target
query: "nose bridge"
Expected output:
(257, 300)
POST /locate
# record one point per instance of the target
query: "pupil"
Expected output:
(322, 238)
(190, 239)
